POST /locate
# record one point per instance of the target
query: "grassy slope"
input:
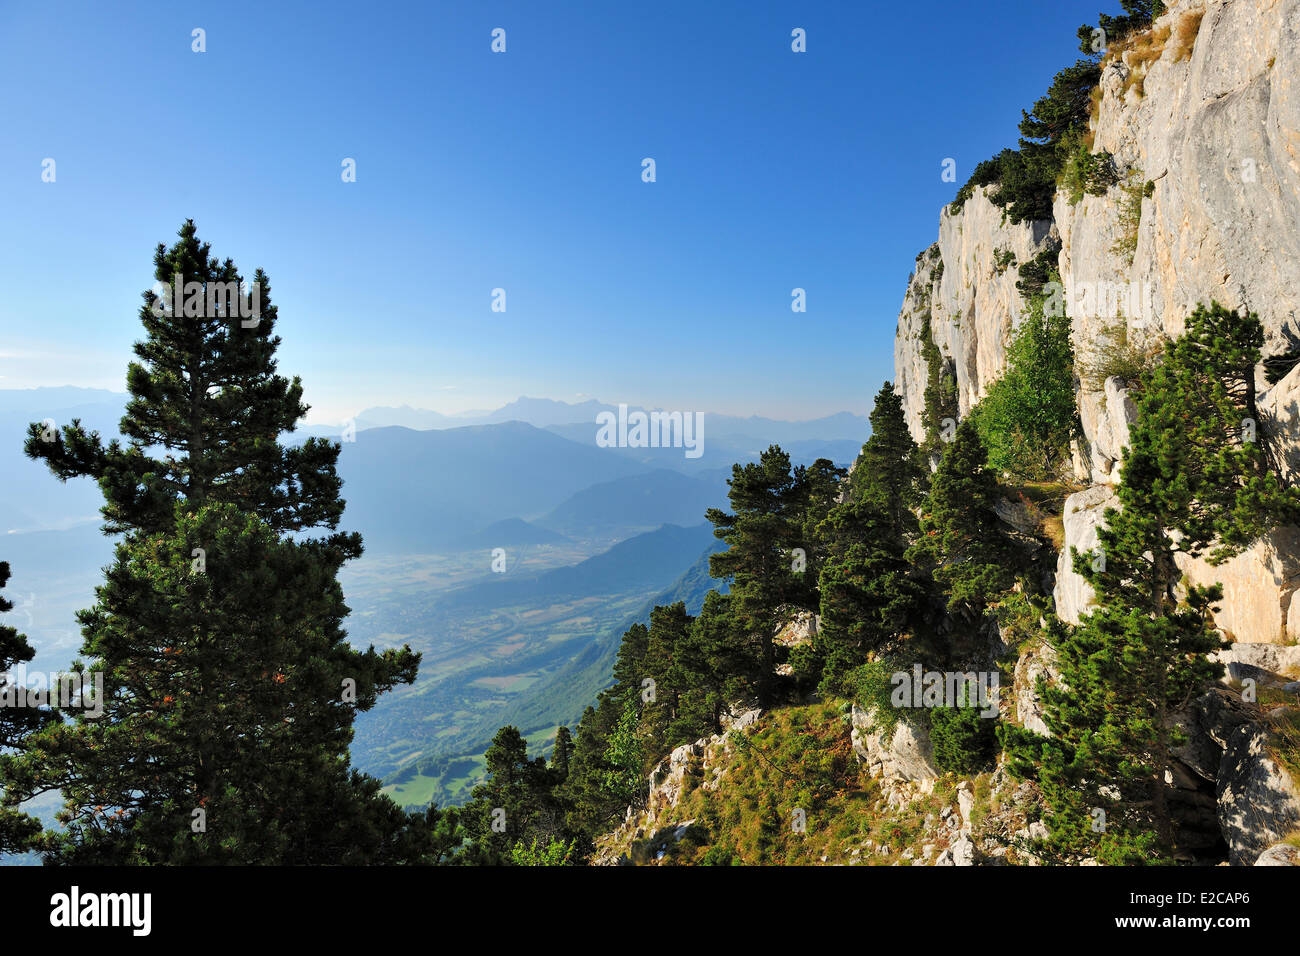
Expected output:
(801, 758)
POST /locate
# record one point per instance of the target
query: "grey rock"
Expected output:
(1259, 803)
(963, 851)
(907, 755)
(1282, 854)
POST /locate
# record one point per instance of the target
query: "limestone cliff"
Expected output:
(1203, 124)
(1201, 121)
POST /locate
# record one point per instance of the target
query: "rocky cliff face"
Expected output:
(966, 285)
(1203, 123)
(1215, 131)
(1202, 120)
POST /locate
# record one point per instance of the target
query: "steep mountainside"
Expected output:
(1205, 136)
(1197, 119)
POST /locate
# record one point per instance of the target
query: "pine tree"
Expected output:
(592, 808)
(866, 589)
(230, 697)
(17, 724)
(720, 666)
(630, 661)
(1197, 479)
(560, 755)
(505, 809)
(771, 560)
(889, 474)
(868, 594)
(218, 631)
(962, 542)
(205, 414)
(1137, 14)
(669, 626)
(817, 491)
(941, 403)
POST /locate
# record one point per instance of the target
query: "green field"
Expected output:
(486, 662)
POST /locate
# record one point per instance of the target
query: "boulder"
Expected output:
(1259, 586)
(1259, 803)
(1208, 723)
(1281, 854)
(1036, 660)
(906, 755)
(1084, 513)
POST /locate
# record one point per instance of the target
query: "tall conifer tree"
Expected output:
(16, 723)
(218, 631)
(1197, 478)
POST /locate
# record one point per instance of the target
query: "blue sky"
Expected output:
(522, 171)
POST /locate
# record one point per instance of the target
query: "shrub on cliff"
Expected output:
(1028, 418)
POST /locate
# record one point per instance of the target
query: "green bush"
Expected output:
(1115, 355)
(718, 856)
(986, 173)
(1028, 418)
(962, 739)
(1040, 270)
(1003, 259)
(870, 686)
(941, 404)
(1087, 172)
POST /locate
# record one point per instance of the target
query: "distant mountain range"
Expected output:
(506, 533)
(424, 491)
(539, 412)
(640, 501)
(644, 562)
(412, 489)
(549, 413)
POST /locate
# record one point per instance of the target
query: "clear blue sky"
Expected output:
(519, 170)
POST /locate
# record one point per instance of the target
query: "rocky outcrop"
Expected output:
(1208, 723)
(1106, 416)
(1203, 126)
(798, 631)
(1259, 802)
(1259, 586)
(646, 833)
(1084, 513)
(1213, 123)
(960, 853)
(966, 284)
(903, 754)
(1281, 411)
(1281, 662)
(1283, 854)
(1229, 744)
(1034, 662)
